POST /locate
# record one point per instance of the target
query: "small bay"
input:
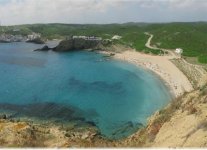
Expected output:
(117, 96)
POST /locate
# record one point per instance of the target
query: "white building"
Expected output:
(94, 38)
(16, 30)
(178, 50)
(33, 36)
(79, 37)
(116, 37)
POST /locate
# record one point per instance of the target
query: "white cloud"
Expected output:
(96, 11)
(27, 11)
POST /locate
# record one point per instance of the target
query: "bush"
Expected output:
(203, 90)
(203, 59)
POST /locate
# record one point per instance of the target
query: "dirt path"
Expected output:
(196, 72)
(169, 52)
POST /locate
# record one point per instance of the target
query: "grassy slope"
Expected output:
(191, 37)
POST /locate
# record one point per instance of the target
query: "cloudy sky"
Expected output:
(101, 11)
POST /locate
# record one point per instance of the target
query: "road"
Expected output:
(169, 52)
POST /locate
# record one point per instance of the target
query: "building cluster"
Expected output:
(94, 38)
(12, 38)
(179, 50)
(33, 36)
(18, 38)
(116, 37)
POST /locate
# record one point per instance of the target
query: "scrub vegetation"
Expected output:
(191, 37)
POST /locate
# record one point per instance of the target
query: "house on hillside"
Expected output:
(93, 38)
(116, 37)
(16, 30)
(33, 36)
(179, 51)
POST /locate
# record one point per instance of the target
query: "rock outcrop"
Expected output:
(77, 44)
(45, 48)
(27, 134)
(72, 44)
(187, 127)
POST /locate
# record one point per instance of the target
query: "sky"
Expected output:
(13, 12)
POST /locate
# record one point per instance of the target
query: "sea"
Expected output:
(115, 96)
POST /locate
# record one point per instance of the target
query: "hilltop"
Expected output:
(191, 37)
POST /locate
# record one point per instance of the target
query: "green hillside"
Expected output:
(191, 37)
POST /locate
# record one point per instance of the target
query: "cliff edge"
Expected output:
(183, 123)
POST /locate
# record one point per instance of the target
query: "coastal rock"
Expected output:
(65, 45)
(45, 48)
(3, 116)
(4, 41)
(126, 127)
(36, 41)
(77, 44)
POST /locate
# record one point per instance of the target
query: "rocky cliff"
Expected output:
(183, 123)
(186, 123)
(77, 44)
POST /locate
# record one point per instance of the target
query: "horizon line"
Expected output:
(105, 23)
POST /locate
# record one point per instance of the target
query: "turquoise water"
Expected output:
(116, 96)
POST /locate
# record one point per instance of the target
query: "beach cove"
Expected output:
(162, 66)
(69, 84)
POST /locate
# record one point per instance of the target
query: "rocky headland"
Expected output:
(77, 44)
(72, 44)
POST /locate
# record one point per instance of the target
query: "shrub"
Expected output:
(203, 90)
(191, 109)
(203, 59)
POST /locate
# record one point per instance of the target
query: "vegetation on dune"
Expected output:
(203, 59)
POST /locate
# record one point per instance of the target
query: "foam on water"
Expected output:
(117, 96)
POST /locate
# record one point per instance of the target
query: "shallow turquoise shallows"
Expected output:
(116, 96)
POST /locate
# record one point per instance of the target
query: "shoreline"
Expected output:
(50, 135)
(173, 77)
(161, 66)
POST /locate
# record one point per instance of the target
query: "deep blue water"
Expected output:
(117, 96)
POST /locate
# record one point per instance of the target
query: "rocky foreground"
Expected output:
(28, 134)
(183, 123)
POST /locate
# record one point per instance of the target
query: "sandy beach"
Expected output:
(162, 66)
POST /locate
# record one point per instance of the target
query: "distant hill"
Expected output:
(191, 37)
